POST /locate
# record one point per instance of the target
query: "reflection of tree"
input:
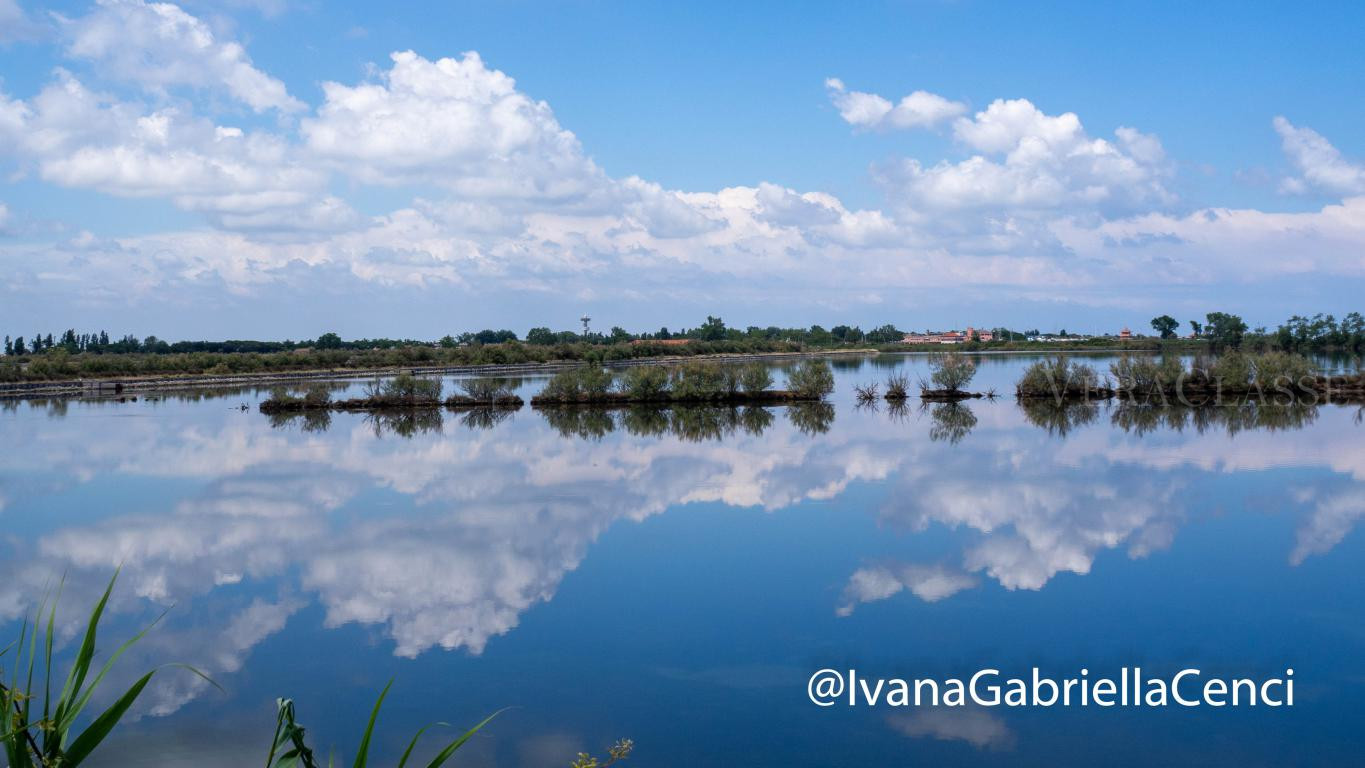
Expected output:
(1141, 419)
(485, 418)
(699, 424)
(56, 406)
(811, 418)
(308, 421)
(952, 422)
(693, 423)
(1058, 418)
(645, 421)
(754, 419)
(406, 422)
(588, 423)
(897, 410)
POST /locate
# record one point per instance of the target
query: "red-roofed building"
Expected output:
(948, 337)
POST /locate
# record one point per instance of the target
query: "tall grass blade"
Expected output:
(100, 728)
(74, 709)
(407, 753)
(76, 677)
(363, 752)
(445, 754)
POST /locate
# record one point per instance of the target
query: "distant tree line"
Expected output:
(714, 329)
(1322, 332)
(1319, 333)
(80, 355)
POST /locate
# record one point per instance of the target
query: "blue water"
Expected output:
(678, 587)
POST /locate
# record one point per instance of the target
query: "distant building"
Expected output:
(948, 337)
(662, 342)
(1125, 334)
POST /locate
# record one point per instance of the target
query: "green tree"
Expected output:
(19, 348)
(886, 334)
(1165, 325)
(540, 335)
(1225, 330)
(328, 341)
(712, 330)
(490, 336)
(1196, 328)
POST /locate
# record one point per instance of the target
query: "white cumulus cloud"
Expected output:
(1320, 165)
(75, 137)
(451, 122)
(1026, 162)
(920, 109)
(159, 45)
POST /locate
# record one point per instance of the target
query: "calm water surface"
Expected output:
(675, 577)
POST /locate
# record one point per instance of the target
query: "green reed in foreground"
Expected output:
(289, 750)
(48, 738)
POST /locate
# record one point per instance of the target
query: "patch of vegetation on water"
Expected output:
(1059, 378)
(692, 382)
(404, 391)
(949, 372)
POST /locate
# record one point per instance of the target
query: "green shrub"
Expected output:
(645, 382)
(564, 385)
(1280, 369)
(281, 396)
(317, 396)
(755, 377)
(698, 381)
(587, 382)
(405, 386)
(1231, 370)
(1145, 374)
(951, 371)
(485, 388)
(1057, 375)
(731, 379)
(812, 378)
(595, 380)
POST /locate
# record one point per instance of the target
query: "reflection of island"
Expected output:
(951, 421)
(692, 423)
(1232, 418)
(1061, 418)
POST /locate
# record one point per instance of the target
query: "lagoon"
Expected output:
(676, 576)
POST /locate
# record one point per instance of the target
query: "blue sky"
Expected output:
(182, 170)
